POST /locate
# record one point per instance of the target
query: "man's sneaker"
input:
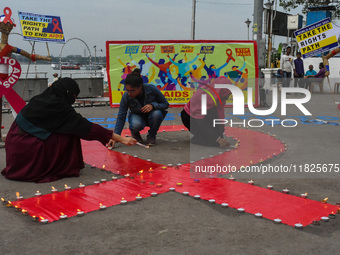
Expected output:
(151, 141)
(137, 137)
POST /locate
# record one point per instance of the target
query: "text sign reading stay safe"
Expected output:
(317, 38)
(42, 28)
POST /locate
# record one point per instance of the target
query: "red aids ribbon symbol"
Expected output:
(6, 84)
(56, 26)
(229, 53)
(8, 14)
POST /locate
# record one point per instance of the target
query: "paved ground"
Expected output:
(174, 224)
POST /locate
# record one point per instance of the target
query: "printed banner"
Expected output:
(41, 28)
(177, 68)
(317, 38)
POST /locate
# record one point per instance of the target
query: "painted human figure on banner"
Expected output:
(162, 67)
(183, 65)
(126, 71)
(6, 50)
(145, 69)
(212, 70)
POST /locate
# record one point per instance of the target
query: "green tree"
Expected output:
(292, 4)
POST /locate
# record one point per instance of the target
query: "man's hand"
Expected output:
(147, 108)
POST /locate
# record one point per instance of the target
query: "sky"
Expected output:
(96, 22)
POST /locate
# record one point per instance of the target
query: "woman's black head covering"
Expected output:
(52, 111)
(66, 88)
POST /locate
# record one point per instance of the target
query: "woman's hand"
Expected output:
(111, 144)
(124, 140)
(223, 142)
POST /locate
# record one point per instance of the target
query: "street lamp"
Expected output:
(248, 23)
(95, 59)
(269, 6)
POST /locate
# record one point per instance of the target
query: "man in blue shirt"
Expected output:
(299, 71)
(309, 75)
(311, 72)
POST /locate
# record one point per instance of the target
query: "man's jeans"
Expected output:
(286, 79)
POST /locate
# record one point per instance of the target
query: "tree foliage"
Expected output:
(292, 4)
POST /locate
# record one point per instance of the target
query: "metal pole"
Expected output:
(95, 60)
(257, 32)
(269, 38)
(193, 20)
(248, 23)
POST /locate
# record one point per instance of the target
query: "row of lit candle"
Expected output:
(64, 216)
(285, 190)
(138, 198)
(259, 215)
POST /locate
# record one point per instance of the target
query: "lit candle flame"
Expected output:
(18, 194)
(38, 191)
(42, 218)
(52, 187)
(141, 171)
(62, 214)
(100, 204)
(324, 200)
(138, 195)
(66, 186)
(80, 184)
(9, 202)
(150, 169)
(2, 199)
(306, 194)
(122, 198)
(34, 216)
(24, 211)
(78, 210)
(16, 206)
(103, 166)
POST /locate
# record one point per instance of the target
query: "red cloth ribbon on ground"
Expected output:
(272, 204)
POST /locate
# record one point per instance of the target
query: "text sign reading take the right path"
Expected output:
(317, 38)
